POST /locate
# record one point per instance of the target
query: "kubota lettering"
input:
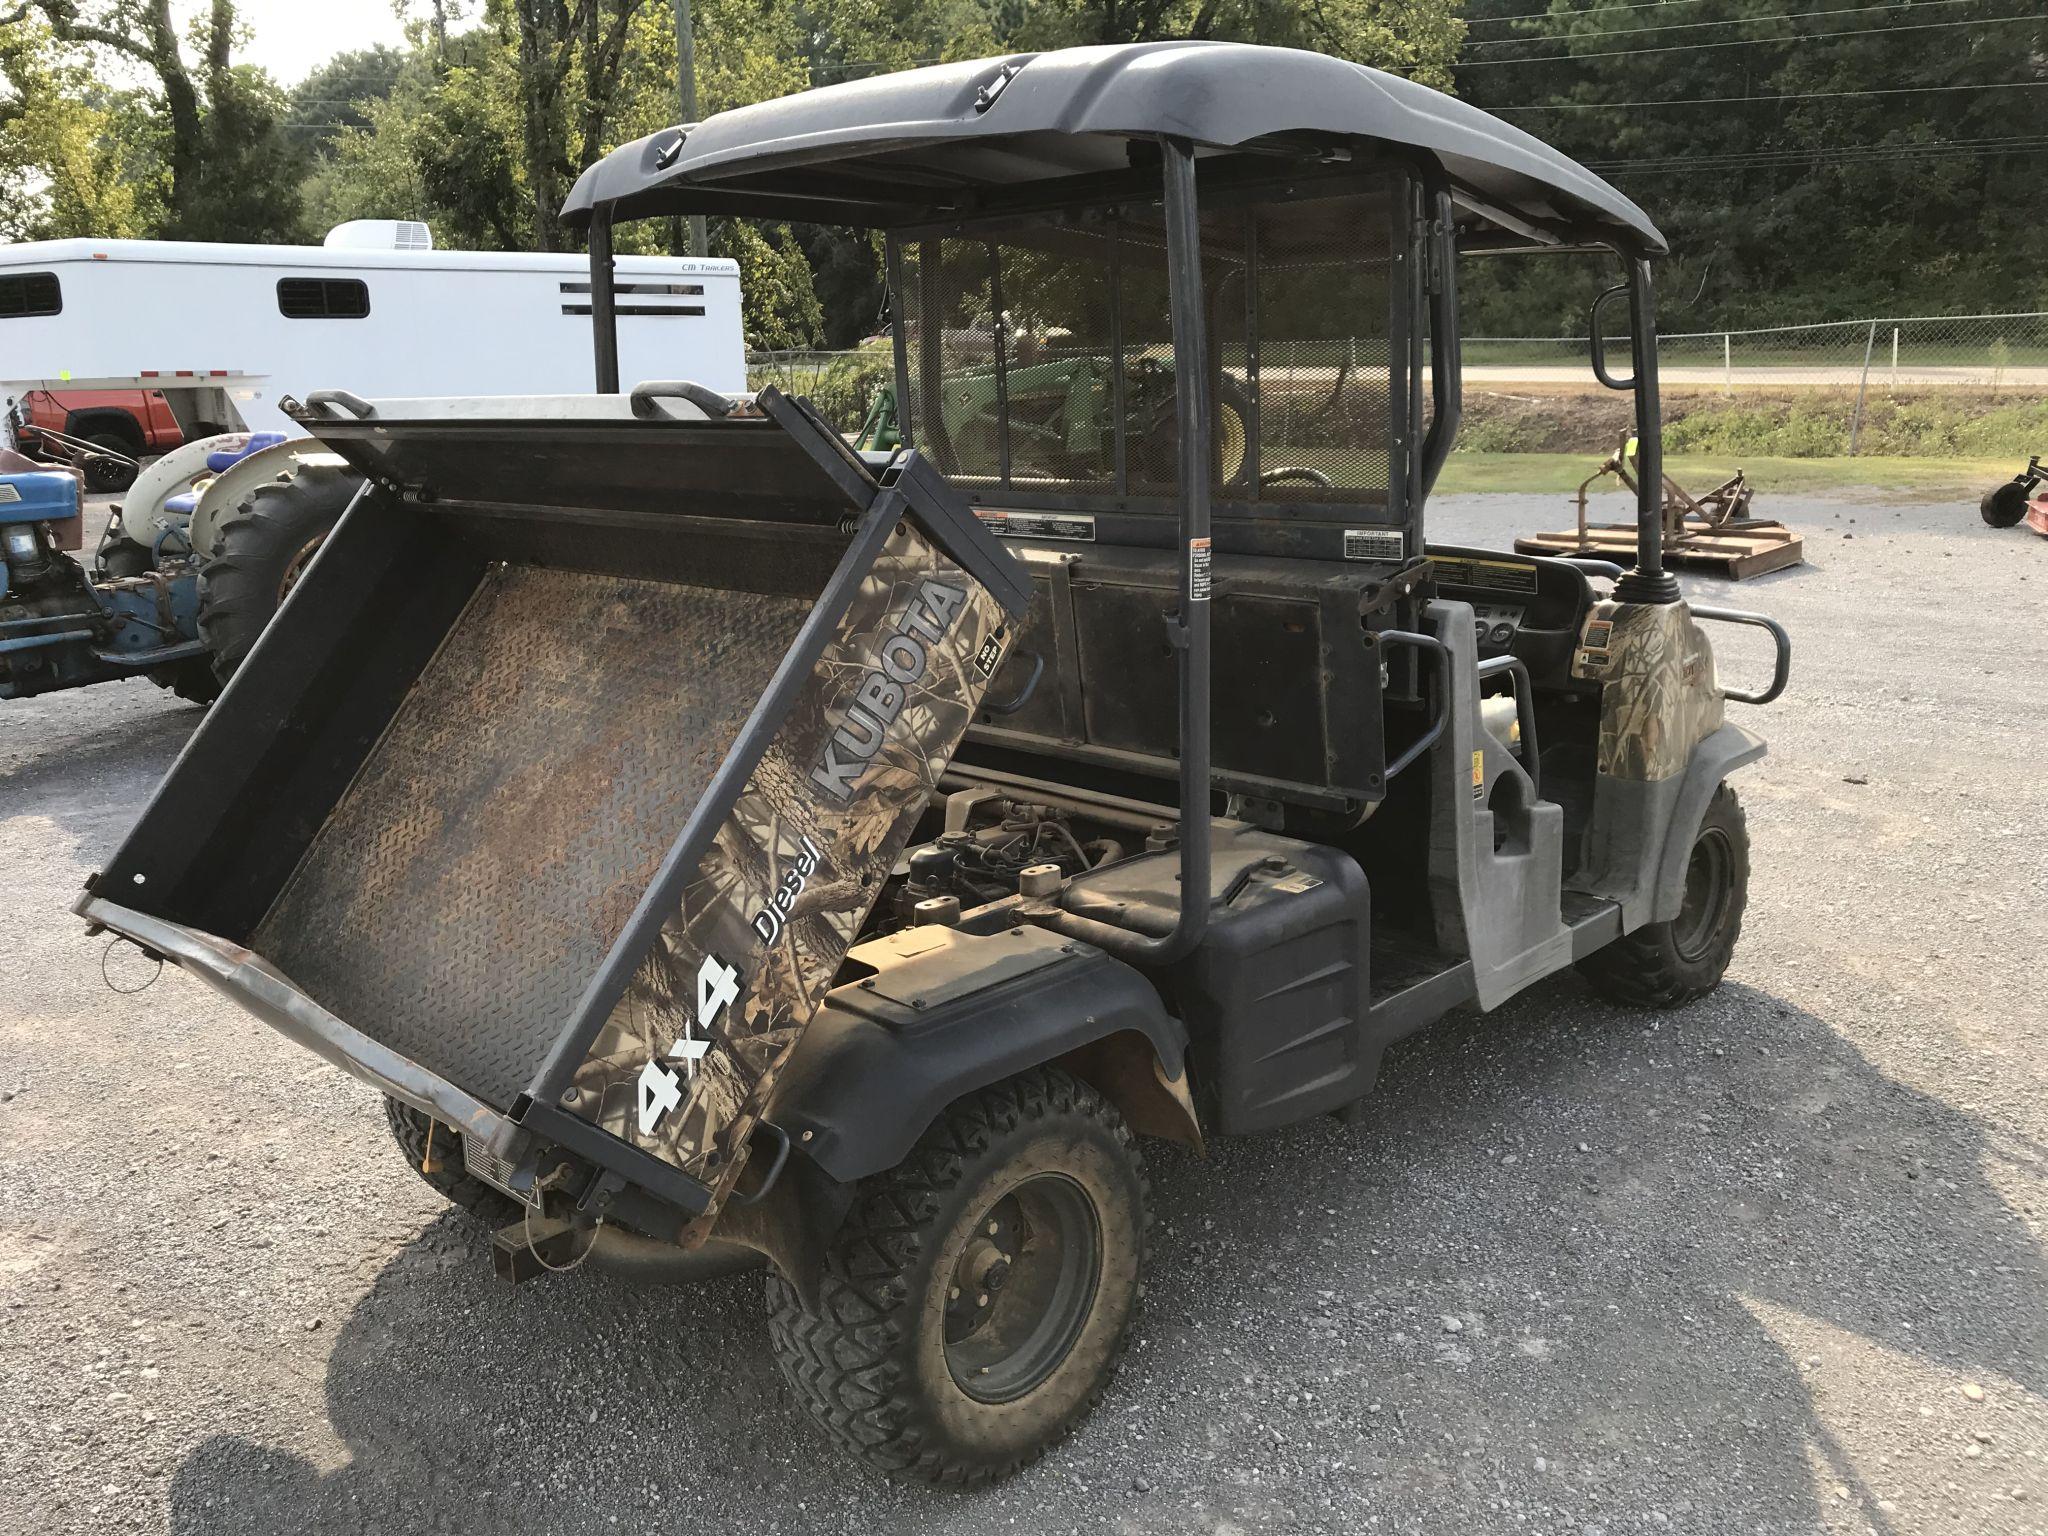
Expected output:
(902, 661)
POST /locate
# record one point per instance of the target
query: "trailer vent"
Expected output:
(30, 293)
(323, 298)
(648, 290)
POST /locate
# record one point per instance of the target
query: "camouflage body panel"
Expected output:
(1659, 697)
(682, 1064)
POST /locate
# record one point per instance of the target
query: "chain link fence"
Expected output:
(1843, 382)
(1989, 352)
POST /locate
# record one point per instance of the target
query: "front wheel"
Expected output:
(1662, 965)
(974, 1303)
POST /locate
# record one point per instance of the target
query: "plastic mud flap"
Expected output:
(557, 791)
(948, 1012)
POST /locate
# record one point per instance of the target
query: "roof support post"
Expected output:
(1649, 582)
(1188, 629)
(604, 319)
(1436, 255)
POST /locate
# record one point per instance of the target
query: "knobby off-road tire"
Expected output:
(2004, 505)
(409, 1130)
(259, 552)
(1662, 965)
(975, 1303)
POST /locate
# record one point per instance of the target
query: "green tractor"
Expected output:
(1055, 417)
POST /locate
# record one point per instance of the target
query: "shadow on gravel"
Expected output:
(81, 778)
(1741, 1163)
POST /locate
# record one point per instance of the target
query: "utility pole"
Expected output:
(686, 100)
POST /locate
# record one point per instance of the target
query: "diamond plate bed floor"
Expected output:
(478, 869)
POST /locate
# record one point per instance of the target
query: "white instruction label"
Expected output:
(1039, 525)
(1198, 570)
(1372, 544)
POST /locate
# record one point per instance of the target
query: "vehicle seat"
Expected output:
(225, 458)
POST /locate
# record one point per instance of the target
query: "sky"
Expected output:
(292, 38)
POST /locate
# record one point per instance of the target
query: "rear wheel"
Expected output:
(1661, 965)
(263, 547)
(440, 1163)
(975, 1302)
(2004, 505)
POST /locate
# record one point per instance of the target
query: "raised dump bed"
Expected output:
(553, 798)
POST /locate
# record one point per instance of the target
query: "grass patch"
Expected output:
(1558, 474)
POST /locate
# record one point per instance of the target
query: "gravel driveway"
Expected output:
(1770, 1263)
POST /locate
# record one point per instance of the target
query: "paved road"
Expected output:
(1772, 1263)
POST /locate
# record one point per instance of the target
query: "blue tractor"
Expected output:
(204, 547)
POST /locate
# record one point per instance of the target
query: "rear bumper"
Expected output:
(262, 989)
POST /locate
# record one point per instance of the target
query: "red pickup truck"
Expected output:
(133, 422)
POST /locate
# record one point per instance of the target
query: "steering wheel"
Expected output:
(1291, 473)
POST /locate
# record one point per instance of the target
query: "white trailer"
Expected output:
(225, 331)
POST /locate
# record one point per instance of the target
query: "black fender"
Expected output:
(886, 1054)
(1719, 754)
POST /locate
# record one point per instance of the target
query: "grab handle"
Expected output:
(353, 405)
(1022, 697)
(707, 400)
(1429, 737)
(1780, 674)
(1599, 342)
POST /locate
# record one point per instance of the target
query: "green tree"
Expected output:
(228, 168)
(339, 95)
(1803, 167)
(67, 145)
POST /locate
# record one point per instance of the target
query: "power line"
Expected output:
(1582, 10)
(1736, 21)
(1705, 101)
(1841, 152)
(1861, 155)
(1749, 42)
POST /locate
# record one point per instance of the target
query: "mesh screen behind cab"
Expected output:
(1040, 356)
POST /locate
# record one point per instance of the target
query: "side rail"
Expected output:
(1781, 671)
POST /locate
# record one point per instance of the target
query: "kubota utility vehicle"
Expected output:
(723, 847)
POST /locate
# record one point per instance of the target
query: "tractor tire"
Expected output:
(975, 1302)
(106, 476)
(409, 1129)
(1662, 965)
(261, 548)
(1157, 458)
(2004, 505)
(191, 680)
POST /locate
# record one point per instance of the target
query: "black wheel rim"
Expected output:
(1709, 878)
(1023, 1286)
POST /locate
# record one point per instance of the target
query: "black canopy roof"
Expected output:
(925, 143)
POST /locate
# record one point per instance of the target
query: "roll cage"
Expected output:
(1173, 138)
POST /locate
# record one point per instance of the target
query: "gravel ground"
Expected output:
(1770, 1263)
